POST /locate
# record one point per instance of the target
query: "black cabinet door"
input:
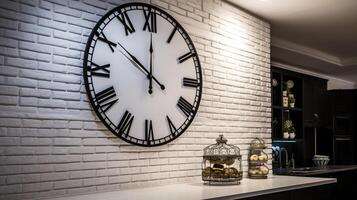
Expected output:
(315, 95)
(313, 193)
(343, 150)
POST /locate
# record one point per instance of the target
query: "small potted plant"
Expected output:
(287, 126)
(291, 101)
(292, 134)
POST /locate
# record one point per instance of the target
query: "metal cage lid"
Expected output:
(221, 149)
(257, 143)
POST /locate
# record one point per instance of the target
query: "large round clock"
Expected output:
(142, 74)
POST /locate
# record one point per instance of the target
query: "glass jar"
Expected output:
(257, 159)
(222, 163)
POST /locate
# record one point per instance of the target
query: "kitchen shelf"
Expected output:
(279, 113)
(277, 140)
(287, 108)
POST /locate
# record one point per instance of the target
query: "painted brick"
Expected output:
(9, 51)
(35, 187)
(28, 54)
(9, 141)
(35, 47)
(31, 28)
(123, 163)
(66, 95)
(9, 90)
(51, 24)
(23, 63)
(95, 157)
(67, 184)
(119, 179)
(9, 71)
(81, 150)
(2, 180)
(36, 11)
(22, 36)
(68, 167)
(67, 141)
(23, 82)
(36, 141)
(8, 42)
(95, 181)
(59, 2)
(8, 100)
(75, 125)
(8, 189)
(67, 11)
(82, 174)
(83, 7)
(107, 172)
(9, 24)
(53, 138)
(45, 5)
(51, 103)
(8, 13)
(28, 92)
(36, 168)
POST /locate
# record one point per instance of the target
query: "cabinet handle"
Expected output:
(343, 139)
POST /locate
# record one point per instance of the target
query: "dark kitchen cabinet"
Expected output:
(355, 122)
(323, 192)
(315, 117)
(311, 100)
(315, 96)
(345, 188)
(343, 150)
(342, 117)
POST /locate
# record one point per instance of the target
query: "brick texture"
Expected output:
(51, 143)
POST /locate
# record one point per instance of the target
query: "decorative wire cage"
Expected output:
(222, 163)
(257, 159)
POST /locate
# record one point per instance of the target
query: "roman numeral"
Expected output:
(149, 132)
(185, 106)
(171, 126)
(183, 58)
(103, 38)
(105, 99)
(95, 70)
(171, 35)
(190, 82)
(150, 21)
(125, 20)
(125, 123)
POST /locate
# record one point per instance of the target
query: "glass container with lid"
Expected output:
(222, 163)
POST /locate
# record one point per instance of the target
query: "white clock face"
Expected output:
(142, 74)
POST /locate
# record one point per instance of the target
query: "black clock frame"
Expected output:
(189, 43)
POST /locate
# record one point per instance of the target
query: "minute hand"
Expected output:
(142, 66)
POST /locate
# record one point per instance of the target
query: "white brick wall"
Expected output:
(52, 144)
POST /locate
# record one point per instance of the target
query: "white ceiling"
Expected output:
(324, 32)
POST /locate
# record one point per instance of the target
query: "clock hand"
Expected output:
(150, 74)
(136, 61)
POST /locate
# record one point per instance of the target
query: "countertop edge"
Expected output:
(201, 192)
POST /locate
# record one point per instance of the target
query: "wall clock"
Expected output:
(142, 74)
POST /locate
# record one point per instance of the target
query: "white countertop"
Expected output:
(196, 191)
